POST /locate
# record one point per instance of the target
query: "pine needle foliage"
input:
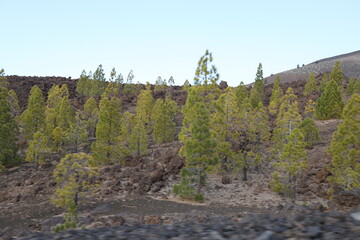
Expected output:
(345, 148)
(276, 95)
(330, 104)
(73, 176)
(310, 85)
(287, 120)
(33, 118)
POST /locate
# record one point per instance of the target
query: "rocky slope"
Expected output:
(350, 64)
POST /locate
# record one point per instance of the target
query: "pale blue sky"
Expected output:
(163, 38)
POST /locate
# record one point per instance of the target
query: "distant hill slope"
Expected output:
(350, 63)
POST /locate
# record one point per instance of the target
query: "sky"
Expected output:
(167, 37)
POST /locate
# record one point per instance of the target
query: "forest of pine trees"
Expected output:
(222, 131)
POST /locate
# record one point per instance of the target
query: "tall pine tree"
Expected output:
(276, 95)
(345, 148)
(33, 118)
(329, 104)
(8, 132)
(257, 92)
(105, 148)
(310, 85)
(287, 120)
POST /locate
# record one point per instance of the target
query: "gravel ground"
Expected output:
(309, 224)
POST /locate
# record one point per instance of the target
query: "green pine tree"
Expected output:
(14, 104)
(241, 93)
(144, 107)
(276, 95)
(287, 120)
(90, 116)
(8, 132)
(77, 135)
(163, 120)
(199, 146)
(310, 108)
(58, 138)
(310, 85)
(345, 148)
(310, 132)
(73, 176)
(292, 161)
(336, 73)
(82, 85)
(33, 118)
(98, 82)
(37, 149)
(220, 124)
(353, 86)
(4, 83)
(206, 72)
(139, 139)
(105, 148)
(124, 139)
(257, 92)
(329, 104)
(324, 81)
(186, 85)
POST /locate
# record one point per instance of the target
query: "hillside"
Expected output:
(139, 189)
(350, 63)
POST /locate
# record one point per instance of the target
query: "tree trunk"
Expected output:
(245, 174)
(198, 182)
(294, 189)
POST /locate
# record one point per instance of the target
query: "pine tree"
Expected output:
(276, 95)
(108, 128)
(77, 135)
(51, 109)
(186, 85)
(33, 118)
(163, 120)
(14, 104)
(249, 132)
(171, 81)
(345, 148)
(336, 73)
(241, 93)
(199, 144)
(310, 132)
(73, 176)
(124, 138)
(310, 85)
(260, 126)
(324, 81)
(58, 138)
(310, 108)
(292, 161)
(257, 92)
(91, 116)
(221, 125)
(206, 78)
(287, 120)
(144, 107)
(206, 72)
(3, 80)
(329, 104)
(160, 84)
(139, 140)
(82, 85)
(353, 86)
(37, 149)
(99, 82)
(65, 116)
(8, 132)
